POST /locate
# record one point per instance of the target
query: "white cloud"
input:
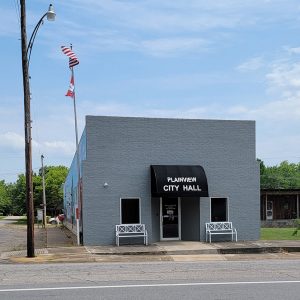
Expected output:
(15, 141)
(252, 64)
(167, 46)
(291, 50)
(156, 27)
(169, 16)
(238, 110)
(12, 140)
(284, 75)
(277, 148)
(192, 15)
(282, 86)
(283, 110)
(67, 148)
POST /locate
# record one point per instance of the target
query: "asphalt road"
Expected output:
(270, 279)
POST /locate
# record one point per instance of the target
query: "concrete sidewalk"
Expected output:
(60, 246)
(192, 248)
(59, 236)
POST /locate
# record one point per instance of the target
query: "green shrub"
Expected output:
(297, 225)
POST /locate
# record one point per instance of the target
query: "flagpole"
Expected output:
(79, 200)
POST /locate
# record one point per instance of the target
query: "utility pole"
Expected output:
(79, 222)
(27, 128)
(79, 208)
(44, 192)
(26, 52)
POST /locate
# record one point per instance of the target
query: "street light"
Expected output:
(26, 53)
(50, 14)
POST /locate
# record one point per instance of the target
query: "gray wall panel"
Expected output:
(204, 215)
(190, 219)
(155, 219)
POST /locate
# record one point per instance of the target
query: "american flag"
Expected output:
(73, 60)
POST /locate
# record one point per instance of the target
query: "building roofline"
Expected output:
(168, 118)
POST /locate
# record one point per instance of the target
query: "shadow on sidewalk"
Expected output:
(59, 236)
(53, 236)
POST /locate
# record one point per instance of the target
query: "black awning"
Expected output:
(178, 181)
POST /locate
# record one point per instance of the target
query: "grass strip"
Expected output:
(279, 234)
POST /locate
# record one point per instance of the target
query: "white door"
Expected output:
(269, 210)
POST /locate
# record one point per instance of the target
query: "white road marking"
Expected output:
(148, 285)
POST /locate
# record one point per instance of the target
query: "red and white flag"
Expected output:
(71, 92)
(73, 60)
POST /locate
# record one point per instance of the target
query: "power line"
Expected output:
(14, 173)
(17, 8)
(11, 154)
(17, 172)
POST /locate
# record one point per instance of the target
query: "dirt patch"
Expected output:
(14, 237)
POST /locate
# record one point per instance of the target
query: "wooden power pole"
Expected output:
(27, 128)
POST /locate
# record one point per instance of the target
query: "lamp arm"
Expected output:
(32, 38)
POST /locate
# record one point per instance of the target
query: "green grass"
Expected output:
(19, 222)
(22, 221)
(278, 234)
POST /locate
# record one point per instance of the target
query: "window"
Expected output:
(130, 211)
(218, 209)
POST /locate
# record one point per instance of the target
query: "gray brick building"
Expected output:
(172, 175)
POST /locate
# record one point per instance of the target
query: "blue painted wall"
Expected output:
(71, 186)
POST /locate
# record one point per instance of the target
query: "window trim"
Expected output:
(140, 211)
(227, 207)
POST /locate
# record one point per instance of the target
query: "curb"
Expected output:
(254, 250)
(133, 253)
(43, 253)
(257, 250)
(20, 253)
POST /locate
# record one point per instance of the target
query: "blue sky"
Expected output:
(223, 59)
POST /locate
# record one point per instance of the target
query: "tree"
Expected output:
(5, 200)
(284, 176)
(17, 193)
(54, 178)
